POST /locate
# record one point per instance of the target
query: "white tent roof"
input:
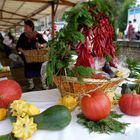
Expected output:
(13, 12)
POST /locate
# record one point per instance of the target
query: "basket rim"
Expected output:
(28, 51)
(89, 80)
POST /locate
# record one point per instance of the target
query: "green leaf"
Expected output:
(106, 125)
(132, 63)
(108, 58)
(50, 73)
(113, 114)
(83, 71)
(80, 79)
(8, 137)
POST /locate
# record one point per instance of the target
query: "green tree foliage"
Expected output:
(120, 11)
(122, 20)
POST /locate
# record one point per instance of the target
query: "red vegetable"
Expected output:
(130, 104)
(96, 106)
(10, 90)
(98, 40)
(99, 76)
(85, 57)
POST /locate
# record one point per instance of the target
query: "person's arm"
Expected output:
(41, 41)
(20, 43)
(127, 29)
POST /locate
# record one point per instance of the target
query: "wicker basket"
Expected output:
(71, 86)
(40, 55)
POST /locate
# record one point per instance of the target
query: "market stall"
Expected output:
(94, 98)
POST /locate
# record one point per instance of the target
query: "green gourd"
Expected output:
(137, 88)
(54, 118)
(125, 89)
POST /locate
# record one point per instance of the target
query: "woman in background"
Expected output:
(130, 31)
(29, 40)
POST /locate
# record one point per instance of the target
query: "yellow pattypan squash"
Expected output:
(119, 74)
(137, 81)
(24, 127)
(19, 108)
(3, 113)
(69, 101)
(113, 98)
(22, 108)
(33, 110)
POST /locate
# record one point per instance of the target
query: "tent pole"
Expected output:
(53, 19)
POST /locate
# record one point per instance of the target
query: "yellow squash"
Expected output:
(69, 101)
(24, 127)
(137, 81)
(33, 110)
(113, 98)
(3, 113)
(119, 74)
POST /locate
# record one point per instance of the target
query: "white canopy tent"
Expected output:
(14, 12)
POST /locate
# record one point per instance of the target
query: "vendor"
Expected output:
(28, 40)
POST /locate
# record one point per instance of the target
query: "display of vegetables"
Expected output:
(89, 35)
(10, 90)
(96, 106)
